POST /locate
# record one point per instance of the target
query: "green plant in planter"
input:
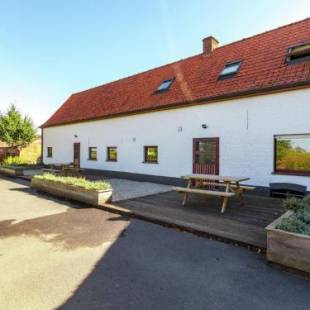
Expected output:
(304, 215)
(294, 204)
(295, 225)
(74, 181)
(299, 221)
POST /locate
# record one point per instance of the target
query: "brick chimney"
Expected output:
(209, 45)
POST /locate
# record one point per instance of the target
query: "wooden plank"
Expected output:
(52, 170)
(245, 187)
(203, 192)
(227, 225)
(256, 208)
(214, 177)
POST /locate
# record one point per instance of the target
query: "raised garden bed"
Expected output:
(12, 171)
(55, 186)
(16, 171)
(288, 248)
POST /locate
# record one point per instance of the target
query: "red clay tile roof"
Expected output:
(196, 78)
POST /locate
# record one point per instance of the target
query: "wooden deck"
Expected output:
(202, 214)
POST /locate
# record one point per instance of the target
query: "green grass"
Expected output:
(79, 182)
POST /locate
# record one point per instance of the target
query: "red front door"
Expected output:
(206, 156)
(76, 155)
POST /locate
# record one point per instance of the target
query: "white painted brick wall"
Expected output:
(244, 150)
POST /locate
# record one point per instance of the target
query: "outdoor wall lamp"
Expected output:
(204, 126)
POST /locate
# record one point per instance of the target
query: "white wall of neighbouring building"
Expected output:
(246, 128)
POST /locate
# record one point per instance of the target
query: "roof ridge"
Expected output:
(266, 31)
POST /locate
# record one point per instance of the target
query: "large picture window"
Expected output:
(292, 154)
(150, 154)
(92, 153)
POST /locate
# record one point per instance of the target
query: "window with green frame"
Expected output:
(292, 154)
(111, 153)
(151, 154)
(92, 153)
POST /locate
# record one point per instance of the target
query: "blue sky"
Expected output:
(50, 49)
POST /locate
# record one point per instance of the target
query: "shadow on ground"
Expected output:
(40, 194)
(152, 267)
(68, 230)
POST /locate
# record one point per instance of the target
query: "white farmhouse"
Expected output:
(241, 109)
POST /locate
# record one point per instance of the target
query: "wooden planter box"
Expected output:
(92, 197)
(286, 248)
(12, 171)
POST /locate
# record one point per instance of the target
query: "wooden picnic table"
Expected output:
(64, 169)
(70, 170)
(52, 171)
(201, 181)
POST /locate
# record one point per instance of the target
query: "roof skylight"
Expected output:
(165, 85)
(299, 53)
(230, 69)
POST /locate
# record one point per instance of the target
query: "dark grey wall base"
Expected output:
(260, 190)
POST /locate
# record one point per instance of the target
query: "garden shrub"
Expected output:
(13, 161)
(295, 225)
(304, 215)
(299, 221)
(294, 204)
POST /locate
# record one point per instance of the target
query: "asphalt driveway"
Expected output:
(56, 255)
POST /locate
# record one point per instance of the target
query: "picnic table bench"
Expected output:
(64, 170)
(231, 184)
(52, 171)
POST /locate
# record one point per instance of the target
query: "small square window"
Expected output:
(151, 154)
(111, 153)
(165, 85)
(298, 53)
(230, 69)
(92, 153)
(49, 152)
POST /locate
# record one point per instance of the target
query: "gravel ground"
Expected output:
(127, 189)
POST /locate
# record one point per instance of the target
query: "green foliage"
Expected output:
(79, 182)
(17, 161)
(13, 161)
(292, 157)
(283, 146)
(304, 214)
(295, 204)
(16, 130)
(295, 225)
(299, 221)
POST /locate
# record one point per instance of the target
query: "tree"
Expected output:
(15, 130)
(283, 147)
